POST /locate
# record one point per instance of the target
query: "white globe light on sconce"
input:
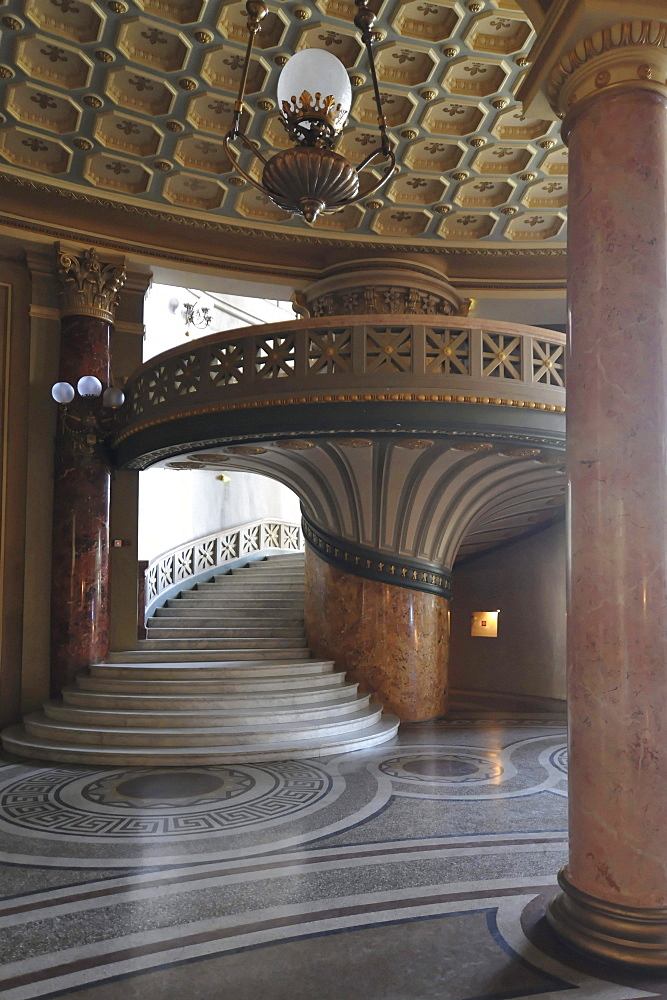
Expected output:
(62, 392)
(113, 397)
(310, 78)
(89, 386)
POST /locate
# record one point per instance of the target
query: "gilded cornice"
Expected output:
(88, 287)
(628, 54)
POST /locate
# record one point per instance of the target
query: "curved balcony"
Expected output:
(286, 379)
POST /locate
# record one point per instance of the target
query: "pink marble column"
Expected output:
(614, 899)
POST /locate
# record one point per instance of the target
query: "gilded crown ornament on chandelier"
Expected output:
(315, 97)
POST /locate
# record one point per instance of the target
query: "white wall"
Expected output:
(176, 506)
(164, 315)
(526, 581)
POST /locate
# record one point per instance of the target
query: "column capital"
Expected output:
(87, 286)
(591, 47)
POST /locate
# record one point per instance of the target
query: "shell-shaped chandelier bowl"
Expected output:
(308, 180)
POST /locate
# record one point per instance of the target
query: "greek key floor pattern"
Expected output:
(413, 871)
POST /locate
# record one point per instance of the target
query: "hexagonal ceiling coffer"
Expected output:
(533, 227)
(79, 21)
(42, 59)
(474, 77)
(408, 67)
(193, 192)
(482, 193)
(128, 135)
(178, 11)
(513, 124)
(105, 171)
(233, 20)
(497, 33)
(343, 222)
(202, 154)
(35, 105)
(425, 21)
(466, 226)
(210, 112)
(555, 162)
(222, 68)
(549, 194)
(153, 45)
(452, 117)
(252, 204)
(275, 134)
(133, 89)
(397, 108)
(393, 221)
(499, 159)
(344, 44)
(34, 152)
(433, 156)
(356, 143)
(417, 190)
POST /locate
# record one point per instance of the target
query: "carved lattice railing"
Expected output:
(357, 358)
(191, 560)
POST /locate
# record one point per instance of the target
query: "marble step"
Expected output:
(193, 599)
(223, 613)
(37, 724)
(181, 655)
(225, 583)
(195, 671)
(16, 740)
(192, 701)
(252, 716)
(194, 631)
(225, 644)
(219, 686)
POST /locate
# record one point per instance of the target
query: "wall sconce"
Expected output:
(198, 316)
(315, 97)
(484, 623)
(94, 419)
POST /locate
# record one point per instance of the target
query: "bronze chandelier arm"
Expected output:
(383, 180)
(227, 145)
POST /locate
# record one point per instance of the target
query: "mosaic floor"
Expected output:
(399, 873)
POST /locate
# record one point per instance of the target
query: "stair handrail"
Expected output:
(189, 561)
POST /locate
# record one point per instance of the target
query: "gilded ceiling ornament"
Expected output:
(409, 133)
(429, 95)
(12, 23)
(185, 83)
(509, 210)
(92, 101)
(88, 287)
(103, 56)
(499, 103)
(117, 7)
(204, 37)
(174, 126)
(81, 143)
(162, 165)
(6, 73)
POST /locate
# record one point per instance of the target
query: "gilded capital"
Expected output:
(589, 47)
(630, 54)
(88, 287)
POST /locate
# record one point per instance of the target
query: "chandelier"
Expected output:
(315, 97)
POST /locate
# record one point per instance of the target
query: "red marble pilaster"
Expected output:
(80, 567)
(393, 641)
(617, 451)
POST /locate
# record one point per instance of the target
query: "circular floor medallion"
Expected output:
(558, 759)
(188, 802)
(443, 767)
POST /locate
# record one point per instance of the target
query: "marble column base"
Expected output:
(393, 641)
(607, 931)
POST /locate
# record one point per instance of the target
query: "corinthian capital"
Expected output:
(88, 287)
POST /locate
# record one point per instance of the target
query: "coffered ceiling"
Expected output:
(128, 100)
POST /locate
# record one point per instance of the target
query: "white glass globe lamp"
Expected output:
(62, 392)
(113, 397)
(88, 385)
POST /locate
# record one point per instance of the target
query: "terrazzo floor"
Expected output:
(414, 871)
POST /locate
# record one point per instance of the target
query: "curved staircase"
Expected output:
(224, 675)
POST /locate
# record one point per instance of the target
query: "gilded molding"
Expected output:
(35, 225)
(88, 287)
(385, 567)
(628, 54)
(609, 931)
(357, 397)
